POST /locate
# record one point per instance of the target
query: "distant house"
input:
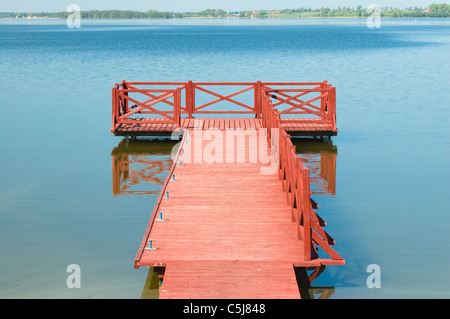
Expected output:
(254, 14)
(427, 10)
(275, 12)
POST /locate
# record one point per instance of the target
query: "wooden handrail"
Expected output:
(295, 177)
(121, 111)
(200, 86)
(288, 93)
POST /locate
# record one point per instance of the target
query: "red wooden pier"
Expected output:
(231, 226)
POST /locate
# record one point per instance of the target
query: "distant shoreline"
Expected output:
(223, 18)
(432, 11)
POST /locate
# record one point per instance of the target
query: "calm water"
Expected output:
(58, 204)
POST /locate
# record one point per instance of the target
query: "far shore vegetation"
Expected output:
(433, 10)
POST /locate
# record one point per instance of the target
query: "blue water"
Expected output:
(57, 206)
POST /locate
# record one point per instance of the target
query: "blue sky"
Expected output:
(198, 5)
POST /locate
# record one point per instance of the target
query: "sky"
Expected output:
(198, 5)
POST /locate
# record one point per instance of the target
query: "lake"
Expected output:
(387, 202)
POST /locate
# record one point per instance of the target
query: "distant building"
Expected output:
(427, 10)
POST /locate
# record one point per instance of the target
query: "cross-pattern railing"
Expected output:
(294, 101)
(168, 102)
(245, 108)
(130, 101)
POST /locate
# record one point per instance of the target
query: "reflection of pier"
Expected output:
(305, 277)
(137, 163)
(140, 166)
(320, 157)
(305, 280)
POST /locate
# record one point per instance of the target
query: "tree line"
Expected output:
(434, 10)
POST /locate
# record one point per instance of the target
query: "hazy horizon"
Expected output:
(199, 5)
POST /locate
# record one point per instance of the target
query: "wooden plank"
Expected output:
(231, 123)
(247, 123)
(242, 123)
(187, 123)
(208, 280)
(153, 127)
(216, 123)
(159, 124)
(237, 123)
(208, 124)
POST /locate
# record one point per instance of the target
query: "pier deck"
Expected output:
(225, 229)
(308, 127)
(224, 226)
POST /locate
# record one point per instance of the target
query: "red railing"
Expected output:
(316, 100)
(129, 101)
(249, 108)
(153, 102)
(295, 178)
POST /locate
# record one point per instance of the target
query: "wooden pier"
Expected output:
(234, 217)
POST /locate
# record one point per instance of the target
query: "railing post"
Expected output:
(324, 106)
(125, 104)
(258, 99)
(298, 216)
(306, 215)
(177, 107)
(114, 108)
(190, 99)
(333, 107)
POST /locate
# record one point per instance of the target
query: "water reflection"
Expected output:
(320, 157)
(140, 166)
(153, 283)
(305, 277)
